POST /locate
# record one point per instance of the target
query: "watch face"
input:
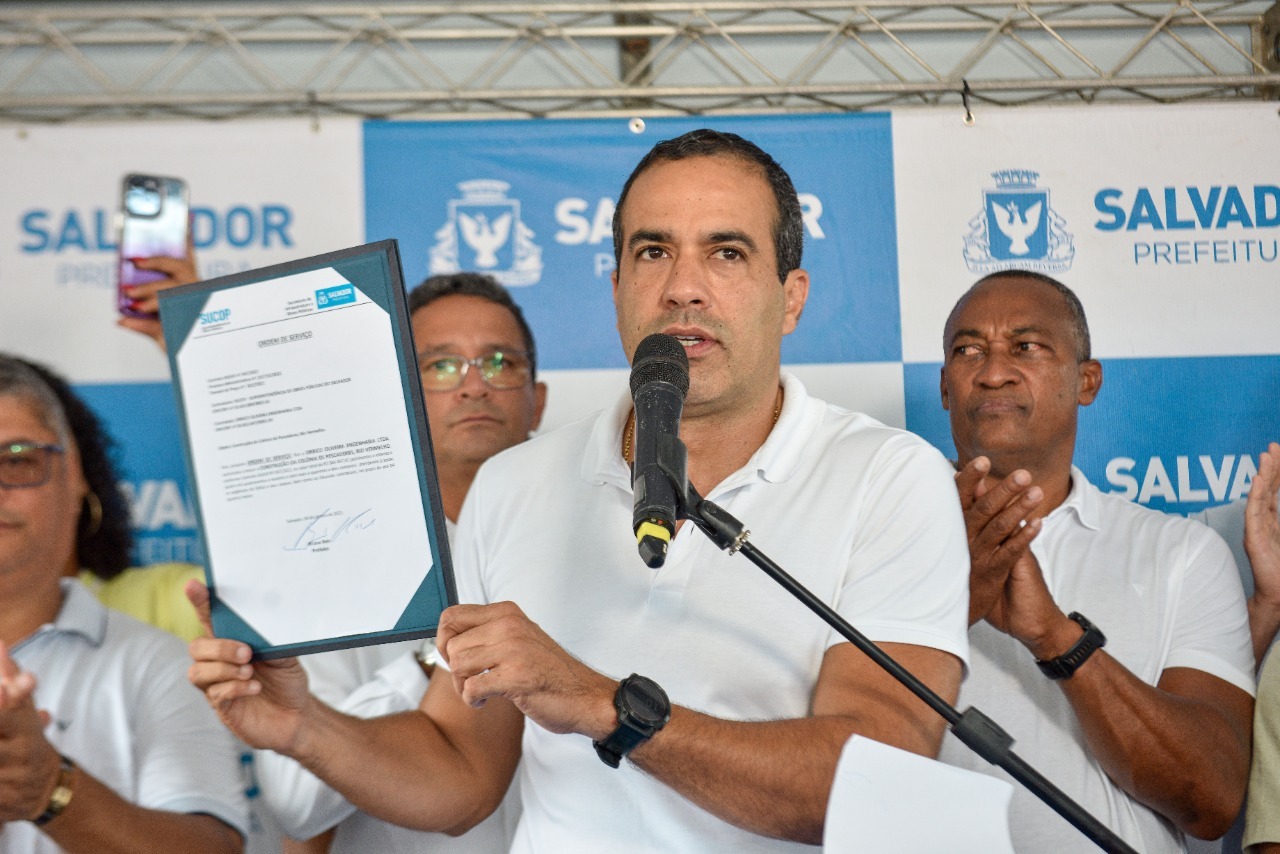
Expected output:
(646, 701)
(427, 654)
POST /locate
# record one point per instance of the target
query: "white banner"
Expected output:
(262, 192)
(1164, 220)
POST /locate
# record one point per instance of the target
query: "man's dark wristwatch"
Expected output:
(1066, 664)
(643, 709)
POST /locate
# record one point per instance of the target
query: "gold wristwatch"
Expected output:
(428, 656)
(61, 796)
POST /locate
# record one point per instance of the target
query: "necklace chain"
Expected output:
(629, 434)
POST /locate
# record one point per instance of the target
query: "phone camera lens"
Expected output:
(142, 196)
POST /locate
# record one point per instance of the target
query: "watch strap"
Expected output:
(61, 796)
(1065, 665)
(632, 731)
(619, 743)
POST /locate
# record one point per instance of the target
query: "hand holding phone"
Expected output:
(154, 234)
(156, 250)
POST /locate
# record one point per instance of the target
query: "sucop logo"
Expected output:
(484, 232)
(1017, 228)
(219, 316)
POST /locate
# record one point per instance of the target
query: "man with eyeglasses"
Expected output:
(101, 745)
(477, 361)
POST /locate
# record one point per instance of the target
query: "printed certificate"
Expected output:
(309, 454)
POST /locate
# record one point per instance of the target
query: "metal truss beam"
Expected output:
(61, 62)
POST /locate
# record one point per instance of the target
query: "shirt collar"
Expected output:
(1082, 502)
(775, 461)
(81, 613)
(779, 457)
(603, 461)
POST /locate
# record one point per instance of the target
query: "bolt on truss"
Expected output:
(61, 62)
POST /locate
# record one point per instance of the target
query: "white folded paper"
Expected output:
(888, 801)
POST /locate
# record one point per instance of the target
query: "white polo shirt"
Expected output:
(1165, 592)
(121, 707)
(864, 515)
(1228, 521)
(367, 682)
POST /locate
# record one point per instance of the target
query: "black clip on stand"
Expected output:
(978, 732)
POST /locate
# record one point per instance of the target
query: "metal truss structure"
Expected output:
(63, 62)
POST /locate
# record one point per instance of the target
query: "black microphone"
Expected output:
(659, 382)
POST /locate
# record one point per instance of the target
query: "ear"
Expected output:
(942, 389)
(795, 292)
(613, 280)
(539, 404)
(1090, 381)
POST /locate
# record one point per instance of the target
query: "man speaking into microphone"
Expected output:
(695, 707)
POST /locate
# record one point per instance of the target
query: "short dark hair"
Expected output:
(1079, 323)
(103, 548)
(788, 224)
(480, 285)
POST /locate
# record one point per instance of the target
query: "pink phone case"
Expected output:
(155, 218)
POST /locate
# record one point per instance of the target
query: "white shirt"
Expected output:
(367, 682)
(864, 515)
(1228, 521)
(1165, 592)
(122, 709)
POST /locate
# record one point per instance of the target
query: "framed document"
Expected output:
(309, 454)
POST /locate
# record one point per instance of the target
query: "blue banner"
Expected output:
(1172, 434)
(532, 203)
(143, 421)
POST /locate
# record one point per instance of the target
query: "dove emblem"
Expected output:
(1016, 225)
(485, 237)
(1018, 228)
(484, 232)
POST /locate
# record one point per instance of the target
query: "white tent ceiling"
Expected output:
(61, 62)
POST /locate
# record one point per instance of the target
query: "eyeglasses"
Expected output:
(501, 369)
(24, 464)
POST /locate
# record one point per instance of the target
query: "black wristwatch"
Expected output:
(1069, 662)
(643, 709)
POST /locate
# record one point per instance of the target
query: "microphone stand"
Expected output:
(978, 732)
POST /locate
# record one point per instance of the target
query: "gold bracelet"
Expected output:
(61, 796)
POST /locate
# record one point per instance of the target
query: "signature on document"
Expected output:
(324, 529)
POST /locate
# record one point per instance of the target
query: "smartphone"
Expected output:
(155, 216)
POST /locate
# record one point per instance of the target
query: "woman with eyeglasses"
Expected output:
(102, 745)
